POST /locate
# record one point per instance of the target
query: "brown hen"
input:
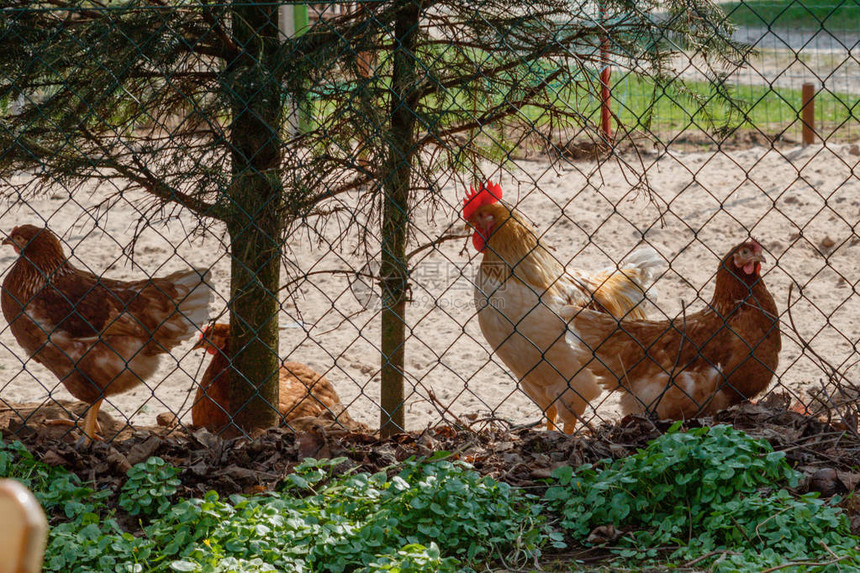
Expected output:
(694, 365)
(303, 393)
(99, 336)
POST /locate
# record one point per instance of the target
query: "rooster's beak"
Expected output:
(201, 343)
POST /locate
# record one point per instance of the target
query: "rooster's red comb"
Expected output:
(755, 244)
(487, 194)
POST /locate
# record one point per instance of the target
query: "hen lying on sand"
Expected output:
(303, 393)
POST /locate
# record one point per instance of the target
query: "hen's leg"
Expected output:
(91, 422)
(580, 392)
(551, 418)
(69, 423)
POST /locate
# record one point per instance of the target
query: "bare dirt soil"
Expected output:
(802, 203)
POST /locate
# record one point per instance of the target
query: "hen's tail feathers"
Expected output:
(622, 293)
(194, 295)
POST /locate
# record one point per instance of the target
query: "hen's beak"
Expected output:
(758, 257)
(9, 241)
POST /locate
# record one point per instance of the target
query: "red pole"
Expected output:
(605, 92)
(606, 108)
(808, 113)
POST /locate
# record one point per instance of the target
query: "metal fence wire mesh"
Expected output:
(299, 173)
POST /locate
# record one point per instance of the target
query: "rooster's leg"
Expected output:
(569, 427)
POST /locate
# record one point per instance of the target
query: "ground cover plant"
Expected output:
(707, 492)
(712, 497)
(435, 516)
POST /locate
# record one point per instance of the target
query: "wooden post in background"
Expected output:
(808, 113)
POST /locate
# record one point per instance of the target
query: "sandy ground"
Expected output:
(802, 203)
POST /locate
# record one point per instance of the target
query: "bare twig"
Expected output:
(831, 371)
(444, 410)
(439, 241)
(345, 319)
(304, 276)
(708, 556)
(806, 564)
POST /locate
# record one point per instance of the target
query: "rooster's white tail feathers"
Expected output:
(644, 265)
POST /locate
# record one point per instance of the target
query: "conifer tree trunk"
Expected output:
(395, 221)
(254, 226)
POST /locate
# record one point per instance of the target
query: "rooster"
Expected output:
(99, 336)
(303, 393)
(694, 365)
(520, 289)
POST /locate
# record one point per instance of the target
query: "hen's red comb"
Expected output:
(487, 194)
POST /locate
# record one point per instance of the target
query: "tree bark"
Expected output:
(394, 273)
(254, 222)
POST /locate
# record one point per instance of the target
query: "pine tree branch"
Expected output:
(491, 116)
(147, 180)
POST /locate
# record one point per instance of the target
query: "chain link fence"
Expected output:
(311, 162)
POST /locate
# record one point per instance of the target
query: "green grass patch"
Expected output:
(660, 106)
(641, 104)
(841, 15)
(644, 104)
